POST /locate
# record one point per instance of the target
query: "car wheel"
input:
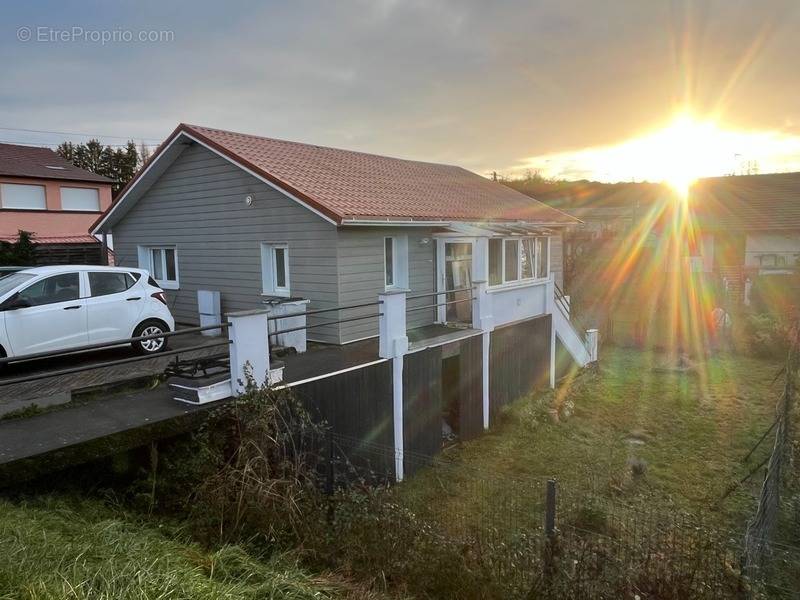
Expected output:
(153, 346)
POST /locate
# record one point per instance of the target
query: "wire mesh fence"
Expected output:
(597, 548)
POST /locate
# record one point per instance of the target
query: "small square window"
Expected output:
(275, 269)
(162, 264)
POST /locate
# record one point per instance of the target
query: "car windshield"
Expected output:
(9, 282)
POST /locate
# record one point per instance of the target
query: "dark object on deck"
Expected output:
(195, 368)
(201, 389)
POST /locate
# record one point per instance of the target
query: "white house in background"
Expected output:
(747, 226)
(270, 221)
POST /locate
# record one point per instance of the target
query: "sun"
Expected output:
(686, 150)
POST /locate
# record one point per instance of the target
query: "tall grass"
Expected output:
(53, 549)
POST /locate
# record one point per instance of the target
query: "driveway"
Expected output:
(57, 389)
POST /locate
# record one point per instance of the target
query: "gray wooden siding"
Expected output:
(198, 205)
(361, 275)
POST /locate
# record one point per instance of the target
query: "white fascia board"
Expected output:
(139, 179)
(260, 178)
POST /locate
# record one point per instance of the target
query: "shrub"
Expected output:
(246, 475)
(764, 334)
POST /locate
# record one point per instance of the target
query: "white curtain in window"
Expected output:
(527, 258)
(22, 196)
(87, 199)
(542, 257)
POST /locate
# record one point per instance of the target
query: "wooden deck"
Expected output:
(323, 359)
(73, 434)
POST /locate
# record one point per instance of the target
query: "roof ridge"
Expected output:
(28, 146)
(747, 175)
(321, 147)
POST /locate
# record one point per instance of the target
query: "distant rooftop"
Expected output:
(42, 163)
(769, 202)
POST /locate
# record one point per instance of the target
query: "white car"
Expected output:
(57, 308)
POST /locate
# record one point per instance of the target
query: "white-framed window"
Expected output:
(83, 199)
(162, 264)
(395, 262)
(23, 196)
(495, 261)
(512, 260)
(388, 261)
(275, 269)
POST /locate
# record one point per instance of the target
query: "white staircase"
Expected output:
(582, 347)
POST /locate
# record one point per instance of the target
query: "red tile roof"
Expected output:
(47, 226)
(769, 202)
(28, 161)
(67, 239)
(344, 184)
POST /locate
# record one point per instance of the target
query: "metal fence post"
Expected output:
(330, 475)
(550, 542)
(550, 508)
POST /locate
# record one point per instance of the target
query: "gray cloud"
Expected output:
(461, 81)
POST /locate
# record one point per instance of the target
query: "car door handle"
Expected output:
(77, 306)
(134, 298)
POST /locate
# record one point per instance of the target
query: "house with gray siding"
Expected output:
(266, 221)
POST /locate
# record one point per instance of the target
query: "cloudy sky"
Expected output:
(491, 86)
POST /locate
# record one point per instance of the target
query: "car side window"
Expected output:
(103, 284)
(57, 288)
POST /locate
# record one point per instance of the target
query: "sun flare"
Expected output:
(686, 149)
(678, 152)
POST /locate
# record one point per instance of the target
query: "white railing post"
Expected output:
(591, 344)
(293, 339)
(482, 319)
(249, 348)
(393, 344)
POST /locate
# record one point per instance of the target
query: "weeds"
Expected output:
(54, 549)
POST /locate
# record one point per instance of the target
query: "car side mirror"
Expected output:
(15, 302)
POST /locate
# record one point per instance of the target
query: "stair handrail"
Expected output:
(565, 309)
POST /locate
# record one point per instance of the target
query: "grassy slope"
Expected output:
(55, 550)
(695, 429)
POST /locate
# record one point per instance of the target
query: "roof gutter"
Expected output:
(387, 222)
(395, 223)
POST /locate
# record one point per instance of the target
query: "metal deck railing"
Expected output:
(438, 304)
(107, 345)
(346, 307)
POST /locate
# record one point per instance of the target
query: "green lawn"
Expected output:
(60, 548)
(690, 430)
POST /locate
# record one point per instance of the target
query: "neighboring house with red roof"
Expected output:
(754, 220)
(749, 225)
(46, 195)
(265, 220)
